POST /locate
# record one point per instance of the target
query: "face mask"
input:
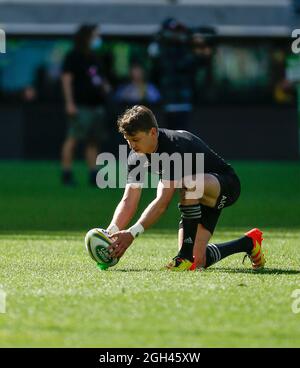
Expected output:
(96, 43)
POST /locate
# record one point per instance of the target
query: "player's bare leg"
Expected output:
(67, 160)
(180, 238)
(199, 251)
(91, 153)
(211, 192)
(68, 153)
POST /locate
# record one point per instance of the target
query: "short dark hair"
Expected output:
(83, 36)
(137, 119)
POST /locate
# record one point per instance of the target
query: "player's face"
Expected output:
(143, 142)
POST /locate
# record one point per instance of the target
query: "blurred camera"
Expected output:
(174, 32)
(203, 36)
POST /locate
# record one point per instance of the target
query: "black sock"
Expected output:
(189, 222)
(67, 176)
(216, 252)
(93, 176)
(189, 235)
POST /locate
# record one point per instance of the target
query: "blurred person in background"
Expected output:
(85, 90)
(284, 90)
(177, 53)
(137, 90)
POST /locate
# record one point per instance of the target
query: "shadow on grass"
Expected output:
(136, 270)
(265, 271)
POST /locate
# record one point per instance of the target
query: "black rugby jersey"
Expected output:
(180, 142)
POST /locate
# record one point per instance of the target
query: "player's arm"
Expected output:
(158, 206)
(67, 82)
(151, 214)
(126, 209)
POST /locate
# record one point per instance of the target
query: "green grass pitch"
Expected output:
(56, 297)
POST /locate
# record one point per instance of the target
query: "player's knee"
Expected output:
(185, 200)
(69, 144)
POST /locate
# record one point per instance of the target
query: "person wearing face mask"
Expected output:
(85, 91)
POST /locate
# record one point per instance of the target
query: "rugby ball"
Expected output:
(97, 242)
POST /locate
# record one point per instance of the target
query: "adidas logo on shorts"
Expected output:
(188, 240)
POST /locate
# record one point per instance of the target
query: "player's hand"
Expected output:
(71, 109)
(121, 241)
(199, 256)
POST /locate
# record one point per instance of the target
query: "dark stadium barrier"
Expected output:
(36, 131)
